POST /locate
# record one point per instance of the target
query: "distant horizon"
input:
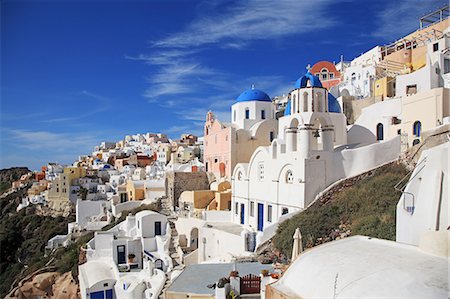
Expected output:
(75, 74)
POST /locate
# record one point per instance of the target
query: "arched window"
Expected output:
(271, 136)
(305, 102)
(289, 177)
(263, 114)
(247, 113)
(324, 74)
(294, 103)
(417, 128)
(239, 176)
(380, 132)
(319, 102)
(234, 115)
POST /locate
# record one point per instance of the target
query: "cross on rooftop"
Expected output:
(308, 67)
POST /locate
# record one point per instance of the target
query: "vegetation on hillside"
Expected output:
(7, 176)
(23, 237)
(364, 205)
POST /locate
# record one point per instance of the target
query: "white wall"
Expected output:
(255, 108)
(85, 209)
(427, 193)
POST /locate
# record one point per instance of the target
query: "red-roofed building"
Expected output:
(327, 73)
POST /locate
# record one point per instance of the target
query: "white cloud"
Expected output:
(50, 141)
(102, 104)
(251, 20)
(401, 17)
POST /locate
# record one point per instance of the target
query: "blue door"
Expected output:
(121, 254)
(158, 228)
(109, 294)
(242, 213)
(260, 217)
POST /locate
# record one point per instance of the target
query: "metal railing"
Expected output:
(401, 186)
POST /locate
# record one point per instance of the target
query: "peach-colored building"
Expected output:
(327, 72)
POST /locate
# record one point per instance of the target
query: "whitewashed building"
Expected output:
(310, 154)
(129, 260)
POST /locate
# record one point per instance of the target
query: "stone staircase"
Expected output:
(175, 251)
(166, 207)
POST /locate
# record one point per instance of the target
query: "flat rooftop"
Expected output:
(195, 278)
(228, 227)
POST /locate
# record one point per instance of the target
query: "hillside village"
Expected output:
(220, 200)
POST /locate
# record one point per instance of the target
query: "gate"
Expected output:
(250, 284)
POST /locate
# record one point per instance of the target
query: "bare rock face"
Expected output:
(47, 285)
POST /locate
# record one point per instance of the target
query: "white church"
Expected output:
(310, 153)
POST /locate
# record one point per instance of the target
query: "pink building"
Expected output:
(227, 144)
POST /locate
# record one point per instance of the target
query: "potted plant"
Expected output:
(234, 274)
(265, 272)
(131, 257)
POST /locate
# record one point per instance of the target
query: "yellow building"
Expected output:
(135, 190)
(421, 112)
(385, 87)
(411, 50)
(58, 195)
(199, 200)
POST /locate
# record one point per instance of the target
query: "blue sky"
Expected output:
(75, 73)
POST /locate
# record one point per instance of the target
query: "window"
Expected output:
(239, 176)
(269, 213)
(380, 131)
(435, 47)
(289, 177)
(252, 208)
(247, 113)
(158, 228)
(234, 115)
(305, 102)
(271, 136)
(411, 89)
(215, 139)
(324, 73)
(284, 211)
(446, 65)
(261, 171)
(417, 127)
(331, 75)
(236, 208)
(263, 114)
(216, 160)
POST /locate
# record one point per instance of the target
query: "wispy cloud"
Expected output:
(102, 104)
(401, 17)
(51, 141)
(251, 20)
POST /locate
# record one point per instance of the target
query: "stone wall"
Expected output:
(177, 182)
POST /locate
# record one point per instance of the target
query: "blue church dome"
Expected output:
(253, 94)
(333, 104)
(303, 81)
(287, 111)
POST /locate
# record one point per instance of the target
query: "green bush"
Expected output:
(366, 208)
